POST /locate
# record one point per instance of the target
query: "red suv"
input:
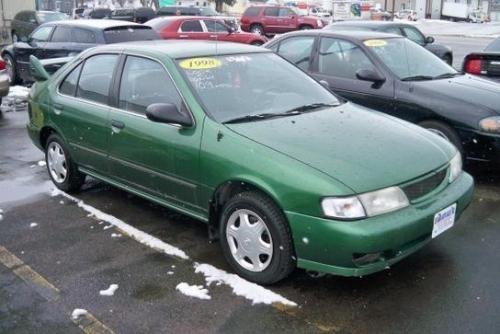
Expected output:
(199, 27)
(276, 19)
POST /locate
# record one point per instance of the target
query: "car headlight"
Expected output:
(490, 124)
(320, 23)
(365, 205)
(455, 167)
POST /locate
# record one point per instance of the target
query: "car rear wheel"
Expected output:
(257, 43)
(447, 59)
(62, 170)
(11, 68)
(305, 27)
(256, 238)
(445, 131)
(257, 29)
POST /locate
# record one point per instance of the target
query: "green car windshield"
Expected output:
(233, 86)
(408, 60)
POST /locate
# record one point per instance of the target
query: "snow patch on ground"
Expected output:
(41, 163)
(109, 291)
(77, 313)
(16, 100)
(131, 231)
(1, 214)
(107, 227)
(241, 287)
(197, 291)
(116, 235)
(33, 225)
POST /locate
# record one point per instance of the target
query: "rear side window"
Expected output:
(96, 78)
(414, 35)
(297, 50)
(271, 11)
(129, 34)
(191, 26)
(84, 36)
(61, 34)
(68, 86)
(143, 83)
(252, 11)
(215, 26)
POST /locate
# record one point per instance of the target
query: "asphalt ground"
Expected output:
(56, 257)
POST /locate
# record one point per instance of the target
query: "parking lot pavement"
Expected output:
(57, 253)
(462, 46)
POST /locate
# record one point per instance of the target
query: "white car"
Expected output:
(406, 14)
(477, 17)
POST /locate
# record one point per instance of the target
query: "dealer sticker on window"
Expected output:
(373, 43)
(443, 220)
(202, 63)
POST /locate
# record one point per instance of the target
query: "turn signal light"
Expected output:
(2, 64)
(473, 66)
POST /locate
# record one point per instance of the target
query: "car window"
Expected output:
(96, 78)
(43, 17)
(215, 26)
(285, 12)
(271, 11)
(41, 34)
(129, 34)
(297, 50)
(68, 86)
(341, 58)
(61, 34)
(84, 36)
(191, 26)
(393, 30)
(493, 46)
(252, 11)
(145, 82)
(414, 35)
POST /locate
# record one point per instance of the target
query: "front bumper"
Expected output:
(336, 247)
(4, 83)
(481, 147)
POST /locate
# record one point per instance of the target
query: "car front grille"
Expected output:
(422, 187)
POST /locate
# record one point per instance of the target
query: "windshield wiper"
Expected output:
(418, 78)
(446, 75)
(312, 106)
(258, 117)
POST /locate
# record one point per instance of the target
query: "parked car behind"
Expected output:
(283, 172)
(201, 28)
(63, 38)
(139, 15)
(406, 14)
(392, 74)
(485, 64)
(407, 30)
(26, 21)
(197, 11)
(4, 80)
(267, 19)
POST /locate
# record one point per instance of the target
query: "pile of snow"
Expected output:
(77, 313)
(33, 225)
(448, 28)
(16, 100)
(197, 291)
(41, 163)
(109, 291)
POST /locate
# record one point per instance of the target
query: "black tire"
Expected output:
(448, 59)
(257, 29)
(444, 131)
(306, 27)
(74, 178)
(283, 261)
(14, 78)
(256, 43)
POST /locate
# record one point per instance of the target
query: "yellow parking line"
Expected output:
(91, 325)
(31, 277)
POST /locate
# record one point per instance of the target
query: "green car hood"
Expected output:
(364, 149)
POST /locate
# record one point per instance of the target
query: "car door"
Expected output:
(337, 62)
(192, 29)
(81, 110)
(218, 31)
(287, 19)
(271, 20)
(298, 50)
(59, 43)
(155, 158)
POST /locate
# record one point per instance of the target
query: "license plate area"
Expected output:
(443, 220)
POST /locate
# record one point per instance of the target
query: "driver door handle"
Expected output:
(58, 108)
(116, 126)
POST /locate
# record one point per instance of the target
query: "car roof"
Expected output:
(182, 49)
(352, 35)
(94, 23)
(373, 24)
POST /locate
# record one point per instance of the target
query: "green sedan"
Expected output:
(284, 173)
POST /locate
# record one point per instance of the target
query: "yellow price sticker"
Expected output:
(200, 63)
(375, 43)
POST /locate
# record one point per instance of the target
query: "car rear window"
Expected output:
(129, 33)
(494, 46)
(252, 11)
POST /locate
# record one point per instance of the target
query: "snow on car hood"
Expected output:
(364, 149)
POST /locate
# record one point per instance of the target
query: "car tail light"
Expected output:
(2, 64)
(473, 65)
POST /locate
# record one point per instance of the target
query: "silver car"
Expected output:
(4, 79)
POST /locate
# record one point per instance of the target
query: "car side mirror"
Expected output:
(429, 40)
(168, 113)
(369, 75)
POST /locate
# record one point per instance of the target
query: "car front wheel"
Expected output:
(257, 29)
(444, 131)
(62, 170)
(256, 239)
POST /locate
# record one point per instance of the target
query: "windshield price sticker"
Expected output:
(237, 59)
(200, 63)
(375, 42)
